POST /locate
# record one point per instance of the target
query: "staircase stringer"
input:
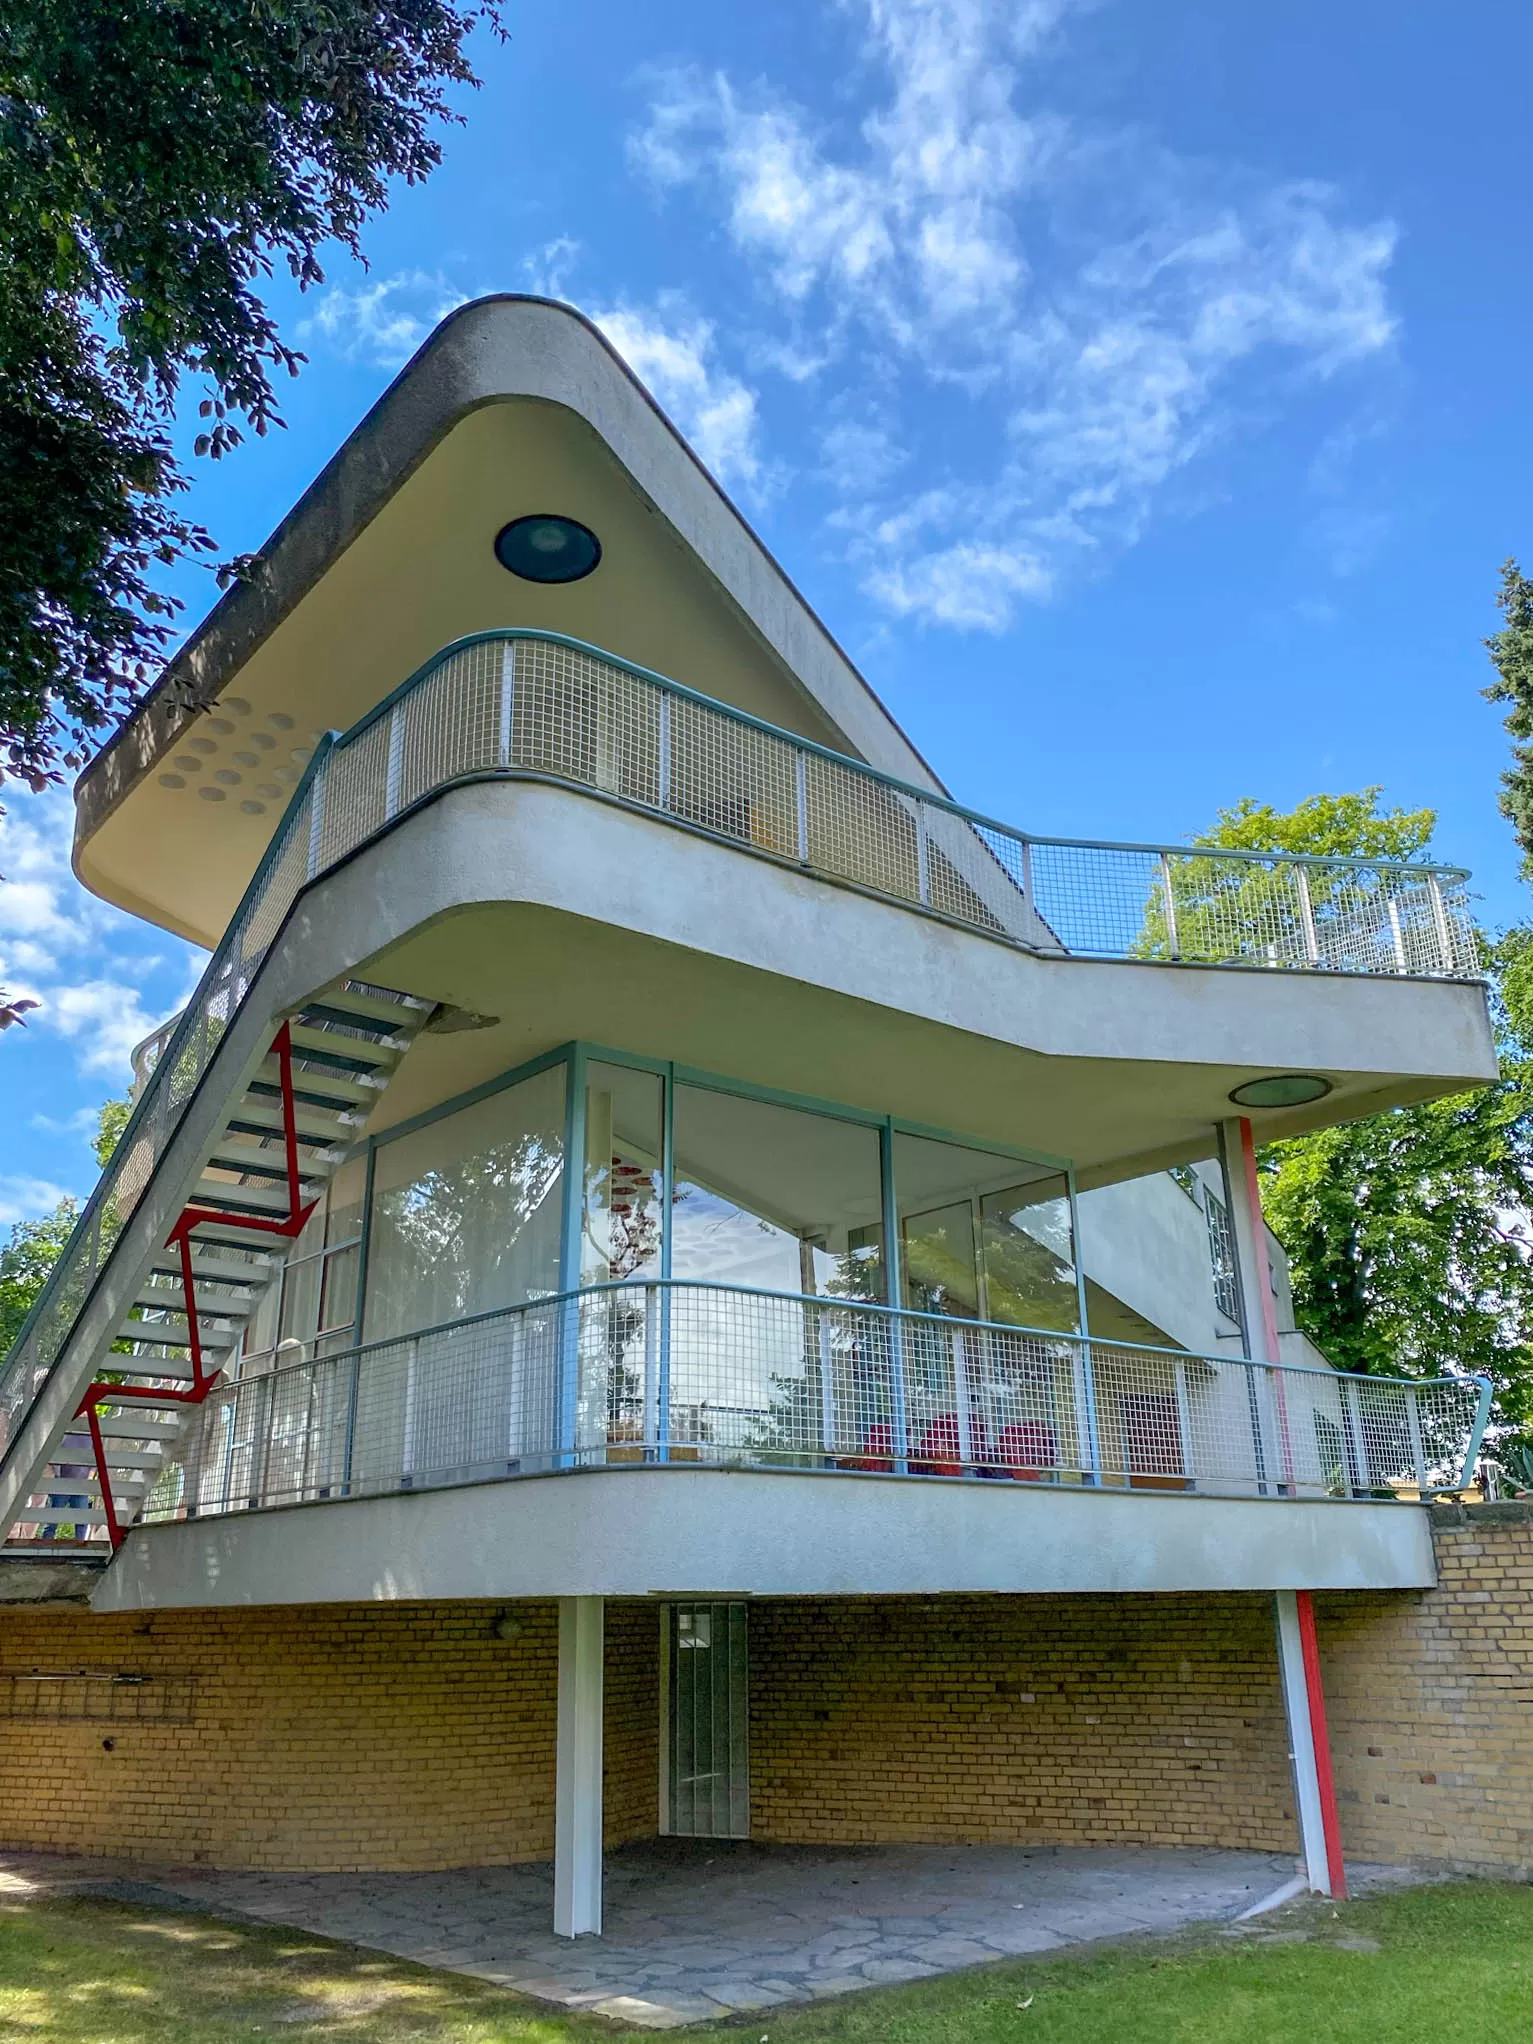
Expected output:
(285, 1227)
(245, 1047)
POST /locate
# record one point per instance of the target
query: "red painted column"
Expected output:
(1321, 1737)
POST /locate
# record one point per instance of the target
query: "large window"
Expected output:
(775, 1198)
(984, 1237)
(466, 1211)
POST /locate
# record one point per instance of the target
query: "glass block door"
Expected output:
(707, 1774)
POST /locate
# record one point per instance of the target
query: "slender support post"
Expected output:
(801, 804)
(1309, 1743)
(923, 857)
(578, 1771)
(1027, 885)
(1168, 894)
(1184, 1424)
(1307, 915)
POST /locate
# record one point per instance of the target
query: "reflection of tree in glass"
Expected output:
(442, 1246)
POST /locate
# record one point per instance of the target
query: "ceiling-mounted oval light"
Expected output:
(1283, 1089)
(546, 547)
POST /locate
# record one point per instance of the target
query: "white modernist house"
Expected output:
(633, 1135)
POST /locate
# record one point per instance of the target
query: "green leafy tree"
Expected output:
(1407, 1233)
(1257, 908)
(29, 1253)
(1511, 653)
(158, 161)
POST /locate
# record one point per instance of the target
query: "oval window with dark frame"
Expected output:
(547, 548)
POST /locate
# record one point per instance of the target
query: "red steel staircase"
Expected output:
(283, 1136)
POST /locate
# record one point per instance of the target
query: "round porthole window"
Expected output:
(547, 548)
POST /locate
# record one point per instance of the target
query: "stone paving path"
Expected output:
(696, 1929)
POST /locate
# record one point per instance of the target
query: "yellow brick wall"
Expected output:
(1430, 1700)
(320, 1737)
(1093, 1720)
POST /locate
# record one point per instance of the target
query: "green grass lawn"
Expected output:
(1446, 1964)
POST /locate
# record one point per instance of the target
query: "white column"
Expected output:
(578, 1779)
(1301, 1743)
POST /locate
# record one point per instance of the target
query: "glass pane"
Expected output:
(983, 1236)
(466, 1211)
(338, 1289)
(775, 1197)
(1028, 1256)
(300, 1306)
(343, 1201)
(624, 1178)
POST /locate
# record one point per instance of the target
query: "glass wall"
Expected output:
(466, 1211)
(776, 1198)
(312, 1307)
(984, 1236)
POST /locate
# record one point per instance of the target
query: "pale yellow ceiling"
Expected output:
(420, 575)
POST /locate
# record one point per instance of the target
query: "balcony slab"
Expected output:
(691, 1531)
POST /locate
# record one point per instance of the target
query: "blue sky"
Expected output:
(1139, 393)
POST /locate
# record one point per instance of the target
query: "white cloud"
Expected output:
(25, 1199)
(547, 271)
(106, 1018)
(381, 323)
(65, 949)
(714, 409)
(1098, 311)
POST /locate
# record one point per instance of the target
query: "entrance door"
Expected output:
(707, 1751)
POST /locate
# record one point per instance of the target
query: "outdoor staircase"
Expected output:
(273, 1153)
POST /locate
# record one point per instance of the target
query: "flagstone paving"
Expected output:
(700, 1928)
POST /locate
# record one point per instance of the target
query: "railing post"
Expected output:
(507, 700)
(408, 1446)
(1088, 1437)
(1307, 915)
(899, 1417)
(651, 1371)
(1418, 1445)
(316, 818)
(1440, 923)
(353, 1395)
(801, 800)
(923, 858)
(1173, 942)
(827, 1384)
(961, 1404)
(663, 763)
(1359, 1469)
(394, 771)
(1397, 934)
(1184, 1422)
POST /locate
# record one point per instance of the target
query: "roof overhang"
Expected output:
(513, 405)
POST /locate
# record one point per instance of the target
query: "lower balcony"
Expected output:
(687, 1375)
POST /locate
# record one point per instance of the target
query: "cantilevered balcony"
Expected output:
(696, 1375)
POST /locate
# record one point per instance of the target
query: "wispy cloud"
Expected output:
(672, 353)
(1085, 313)
(69, 951)
(381, 323)
(26, 1199)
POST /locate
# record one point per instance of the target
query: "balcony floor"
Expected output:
(702, 1928)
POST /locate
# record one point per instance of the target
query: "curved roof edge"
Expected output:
(507, 345)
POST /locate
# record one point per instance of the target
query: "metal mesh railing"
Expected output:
(713, 1374)
(532, 704)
